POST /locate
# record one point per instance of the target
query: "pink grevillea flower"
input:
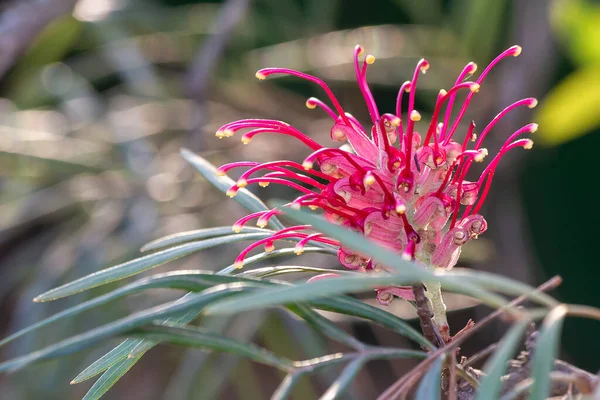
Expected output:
(404, 190)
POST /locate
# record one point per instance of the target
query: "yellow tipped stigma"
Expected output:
(474, 87)
(533, 104)
(518, 50)
(220, 172)
(360, 50)
(439, 127)
(238, 264)
(424, 68)
(246, 139)
(307, 165)
(299, 250)
(415, 116)
(242, 183)
(474, 137)
(406, 257)
(313, 207)
(443, 92)
(370, 59)
(259, 75)
(407, 89)
(483, 152)
(310, 104)
(263, 184)
(534, 128)
(473, 68)
(237, 228)
(261, 223)
(269, 248)
(529, 145)
(295, 206)
(400, 209)
(228, 133)
(395, 122)
(368, 180)
(220, 134)
(231, 193)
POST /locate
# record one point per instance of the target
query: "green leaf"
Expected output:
(194, 301)
(491, 383)
(572, 108)
(430, 386)
(339, 386)
(106, 361)
(546, 349)
(190, 236)
(199, 338)
(576, 22)
(141, 264)
(356, 308)
(327, 288)
(266, 272)
(187, 280)
(325, 326)
(286, 386)
(110, 377)
(246, 198)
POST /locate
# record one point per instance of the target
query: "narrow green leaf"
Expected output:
(287, 385)
(430, 386)
(187, 280)
(356, 308)
(491, 383)
(106, 361)
(129, 346)
(546, 349)
(109, 378)
(326, 288)
(199, 338)
(325, 326)
(246, 198)
(339, 386)
(141, 264)
(191, 236)
(193, 301)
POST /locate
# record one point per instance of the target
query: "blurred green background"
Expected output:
(98, 96)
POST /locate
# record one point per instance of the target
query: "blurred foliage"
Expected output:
(572, 108)
(93, 117)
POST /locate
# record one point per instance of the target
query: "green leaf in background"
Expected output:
(546, 350)
(491, 383)
(576, 23)
(572, 108)
(430, 386)
(51, 46)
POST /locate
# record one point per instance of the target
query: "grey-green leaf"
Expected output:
(546, 349)
(491, 383)
(141, 264)
(223, 183)
(191, 236)
(340, 385)
(430, 386)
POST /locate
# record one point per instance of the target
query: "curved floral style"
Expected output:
(405, 190)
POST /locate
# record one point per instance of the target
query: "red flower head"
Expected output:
(402, 189)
